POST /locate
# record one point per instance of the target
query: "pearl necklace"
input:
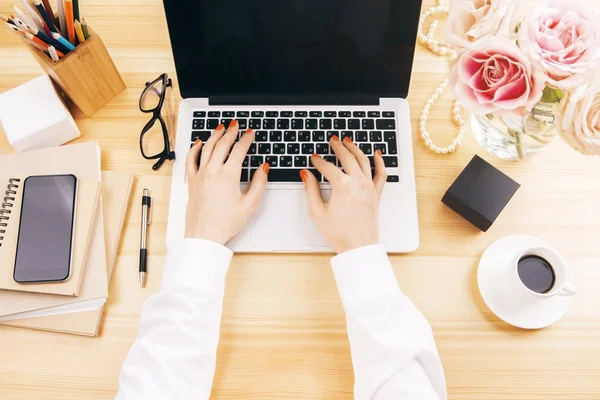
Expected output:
(442, 49)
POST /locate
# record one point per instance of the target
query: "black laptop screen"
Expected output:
(293, 47)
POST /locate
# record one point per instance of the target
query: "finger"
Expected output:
(223, 147)
(361, 159)
(316, 206)
(210, 144)
(329, 171)
(191, 162)
(347, 159)
(257, 188)
(240, 150)
(380, 173)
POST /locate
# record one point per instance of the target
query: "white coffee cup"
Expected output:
(561, 287)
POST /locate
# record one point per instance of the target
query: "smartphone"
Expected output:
(45, 239)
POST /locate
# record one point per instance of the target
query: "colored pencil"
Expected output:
(61, 18)
(37, 21)
(15, 29)
(49, 27)
(22, 25)
(7, 20)
(53, 54)
(84, 27)
(76, 10)
(79, 32)
(50, 40)
(22, 16)
(62, 41)
(44, 45)
(70, 21)
(50, 12)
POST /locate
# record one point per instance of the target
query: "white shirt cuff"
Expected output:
(195, 263)
(364, 274)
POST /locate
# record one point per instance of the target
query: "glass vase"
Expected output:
(516, 138)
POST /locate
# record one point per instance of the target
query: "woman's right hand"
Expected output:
(351, 217)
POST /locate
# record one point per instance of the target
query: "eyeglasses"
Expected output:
(156, 139)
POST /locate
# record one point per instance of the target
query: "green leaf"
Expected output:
(552, 95)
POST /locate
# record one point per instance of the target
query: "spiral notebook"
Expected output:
(88, 195)
(116, 191)
(82, 160)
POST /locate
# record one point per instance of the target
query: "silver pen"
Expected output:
(146, 204)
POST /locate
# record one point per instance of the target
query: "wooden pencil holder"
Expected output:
(86, 75)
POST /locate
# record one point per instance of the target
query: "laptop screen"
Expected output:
(293, 47)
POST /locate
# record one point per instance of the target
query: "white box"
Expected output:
(34, 116)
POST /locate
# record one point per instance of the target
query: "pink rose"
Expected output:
(473, 20)
(578, 119)
(564, 36)
(494, 75)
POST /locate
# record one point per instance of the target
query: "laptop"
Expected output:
(298, 72)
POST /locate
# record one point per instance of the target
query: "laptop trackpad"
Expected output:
(283, 223)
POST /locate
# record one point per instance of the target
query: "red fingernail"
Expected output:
(347, 140)
(266, 168)
(221, 126)
(196, 142)
(315, 155)
(303, 175)
(379, 153)
(249, 131)
(232, 123)
(335, 138)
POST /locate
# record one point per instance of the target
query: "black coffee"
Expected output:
(536, 273)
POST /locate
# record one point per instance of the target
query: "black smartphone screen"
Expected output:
(45, 238)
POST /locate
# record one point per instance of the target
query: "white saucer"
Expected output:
(492, 278)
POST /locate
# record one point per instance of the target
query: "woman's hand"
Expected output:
(351, 217)
(217, 210)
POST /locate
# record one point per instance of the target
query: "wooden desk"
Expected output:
(283, 331)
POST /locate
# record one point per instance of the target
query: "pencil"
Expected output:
(15, 29)
(63, 41)
(79, 32)
(70, 21)
(22, 15)
(50, 12)
(53, 54)
(37, 21)
(61, 18)
(22, 25)
(76, 10)
(84, 27)
(50, 40)
(8, 20)
(44, 45)
(49, 27)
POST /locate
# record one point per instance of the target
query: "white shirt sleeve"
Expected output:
(393, 350)
(174, 354)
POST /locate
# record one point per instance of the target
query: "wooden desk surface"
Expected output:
(283, 330)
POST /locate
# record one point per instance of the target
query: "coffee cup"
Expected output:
(540, 272)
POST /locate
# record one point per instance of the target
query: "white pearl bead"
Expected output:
(443, 51)
(424, 136)
(452, 148)
(444, 151)
(457, 118)
(461, 122)
(438, 150)
(428, 143)
(435, 48)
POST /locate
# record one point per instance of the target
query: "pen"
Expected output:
(146, 204)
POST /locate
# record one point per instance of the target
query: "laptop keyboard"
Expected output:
(287, 139)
